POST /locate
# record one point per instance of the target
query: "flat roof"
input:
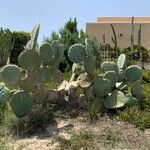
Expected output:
(123, 19)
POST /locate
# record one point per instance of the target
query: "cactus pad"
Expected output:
(89, 46)
(115, 100)
(46, 53)
(21, 103)
(136, 89)
(131, 101)
(45, 73)
(112, 77)
(77, 53)
(4, 93)
(89, 64)
(11, 74)
(121, 75)
(58, 49)
(101, 86)
(34, 35)
(109, 66)
(134, 73)
(30, 60)
(121, 61)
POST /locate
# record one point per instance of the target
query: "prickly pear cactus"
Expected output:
(4, 93)
(38, 65)
(101, 87)
(115, 100)
(112, 77)
(134, 73)
(77, 53)
(109, 66)
(121, 62)
(11, 74)
(21, 103)
(30, 60)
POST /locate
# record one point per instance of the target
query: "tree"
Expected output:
(69, 35)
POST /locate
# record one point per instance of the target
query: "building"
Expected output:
(122, 26)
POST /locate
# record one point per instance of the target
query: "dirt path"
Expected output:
(106, 135)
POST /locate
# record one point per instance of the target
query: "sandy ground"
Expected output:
(130, 138)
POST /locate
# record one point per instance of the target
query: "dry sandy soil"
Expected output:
(105, 134)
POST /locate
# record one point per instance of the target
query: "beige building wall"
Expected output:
(122, 27)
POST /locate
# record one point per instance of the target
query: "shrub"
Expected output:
(5, 45)
(20, 39)
(140, 118)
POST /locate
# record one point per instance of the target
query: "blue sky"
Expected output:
(52, 14)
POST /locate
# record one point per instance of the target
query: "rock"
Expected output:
(84, 80)
(81, 101)
(53, 97)
(71, 85)
(62, 86)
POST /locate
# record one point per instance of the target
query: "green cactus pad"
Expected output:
(77, 53)
(21, 103)
(109, 66)
(11, 74)
(101, 86)
(112, 77)
(46, 53)
(89, 46)
(58, 49)
(4, 93)
(34, 35)
(131, 101)
(121, 75)
(136, 89)
(134, 73)
(26, 84)
(30, 60)
(29, 45)
(89, 93)
(121, 61)
(115, 100)
(89, 64)
(45, 74)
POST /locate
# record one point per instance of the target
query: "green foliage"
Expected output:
(6, 43)
(68, 36)
(20, 39)
(135, 115)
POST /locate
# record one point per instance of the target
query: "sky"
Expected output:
(22, 15)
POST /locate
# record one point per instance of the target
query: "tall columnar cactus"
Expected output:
(27, 82)
(132, 34)
(114, 39)
(139, 35)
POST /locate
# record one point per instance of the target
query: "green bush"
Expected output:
(5, 45)
(20, 39)
(136, 116)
